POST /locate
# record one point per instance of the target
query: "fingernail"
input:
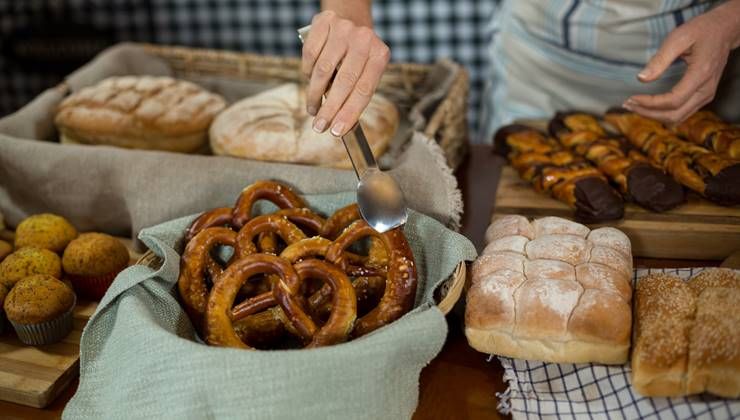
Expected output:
(319, 125)
(311, 110)
(627, 104)
(643, 75)
(337, 129)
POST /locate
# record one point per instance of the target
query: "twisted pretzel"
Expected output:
(279, 194)
(220, 330)
(191, 284)
(343, 218)
(400, 285)
(217, 217)
(268, 223)
(302, 217)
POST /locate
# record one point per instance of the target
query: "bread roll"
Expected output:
(687, 335)
(540, 292)
(275, 126)
(156, 113)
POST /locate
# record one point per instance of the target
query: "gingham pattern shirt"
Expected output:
(416, 30)
(575, 54)
(539, 390)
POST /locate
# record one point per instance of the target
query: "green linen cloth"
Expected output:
(140, 357)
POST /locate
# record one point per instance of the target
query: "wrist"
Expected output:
(729, 13)
(358, 12)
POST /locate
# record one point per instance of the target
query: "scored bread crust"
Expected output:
(687, 335)
(274, 126)
(139, 112)
(551, 290)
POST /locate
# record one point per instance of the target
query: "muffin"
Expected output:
(5, 249)
(3, 294)
(47, 231)
(92, 261)
(39, 308)
(28, 261)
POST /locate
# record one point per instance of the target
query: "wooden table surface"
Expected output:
(459, 383)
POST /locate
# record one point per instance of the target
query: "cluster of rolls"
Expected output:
(162, 113)
(595, 171)
(292, 278)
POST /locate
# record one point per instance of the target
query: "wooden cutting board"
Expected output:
(35, 376)
(695, 230)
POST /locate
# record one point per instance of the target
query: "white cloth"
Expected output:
(576, 54)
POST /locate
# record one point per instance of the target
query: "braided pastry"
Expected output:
(706, 129)
(550, 168)
(625, 166)
(709, 174)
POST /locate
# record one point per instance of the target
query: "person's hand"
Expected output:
(704, 43)
(357, 55)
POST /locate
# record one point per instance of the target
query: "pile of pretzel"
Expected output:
(293, 274)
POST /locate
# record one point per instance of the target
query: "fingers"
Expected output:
(695, 77)
(315, 43)
(675, 44)
(678, 114)
(363, 92)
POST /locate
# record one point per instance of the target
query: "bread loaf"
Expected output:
(275, 126)
(156, 113)
(687, 335)
(551, 290)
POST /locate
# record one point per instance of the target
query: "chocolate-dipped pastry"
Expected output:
(712, 175)
(558, 172)
(625, 166)
(706, 129)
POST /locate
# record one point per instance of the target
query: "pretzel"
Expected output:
(705, 128)
(616, 158)
(219, 327)
(279, 194)
(217, 217)
(302, 217)
(268, 223)
(191, 283)
(400, 284)
(340, 220)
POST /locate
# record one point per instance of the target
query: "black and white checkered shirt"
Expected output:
(416, 30)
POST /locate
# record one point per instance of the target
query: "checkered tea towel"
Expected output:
(539, 390)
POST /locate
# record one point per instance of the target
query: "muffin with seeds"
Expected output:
(40, 309)
(28, 261)
(47, 231)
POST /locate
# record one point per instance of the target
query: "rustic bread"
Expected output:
(156, 113)
(687, 335)
(551, 290)
(274, 126)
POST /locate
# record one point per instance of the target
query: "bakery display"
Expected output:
(92, 261)
(274, 126)
(705, 128)
(28, 261)
(46, 230)
(558, 172)
(687, 335)
(140, 112)
(551, 290)
(712, 175)
(625, 166)
(39, 308)
(272, 270)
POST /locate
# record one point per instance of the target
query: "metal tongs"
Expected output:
(379, 196)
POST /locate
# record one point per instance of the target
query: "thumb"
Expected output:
(673, 46)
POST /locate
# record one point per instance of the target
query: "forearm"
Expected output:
(730, 10)
(358, 11)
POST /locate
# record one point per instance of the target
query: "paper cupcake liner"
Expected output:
(48, 332)
(92, 287)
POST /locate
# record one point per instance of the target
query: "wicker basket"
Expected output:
(447, 125)
(449, 292)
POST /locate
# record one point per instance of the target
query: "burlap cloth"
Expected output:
(121, 191)
(140, 357)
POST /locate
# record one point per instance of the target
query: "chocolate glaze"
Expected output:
(724, 188)
(652, 189)
(596, 201)
(500, 147)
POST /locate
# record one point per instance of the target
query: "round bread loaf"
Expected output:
(274, 126)
(140, 112)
